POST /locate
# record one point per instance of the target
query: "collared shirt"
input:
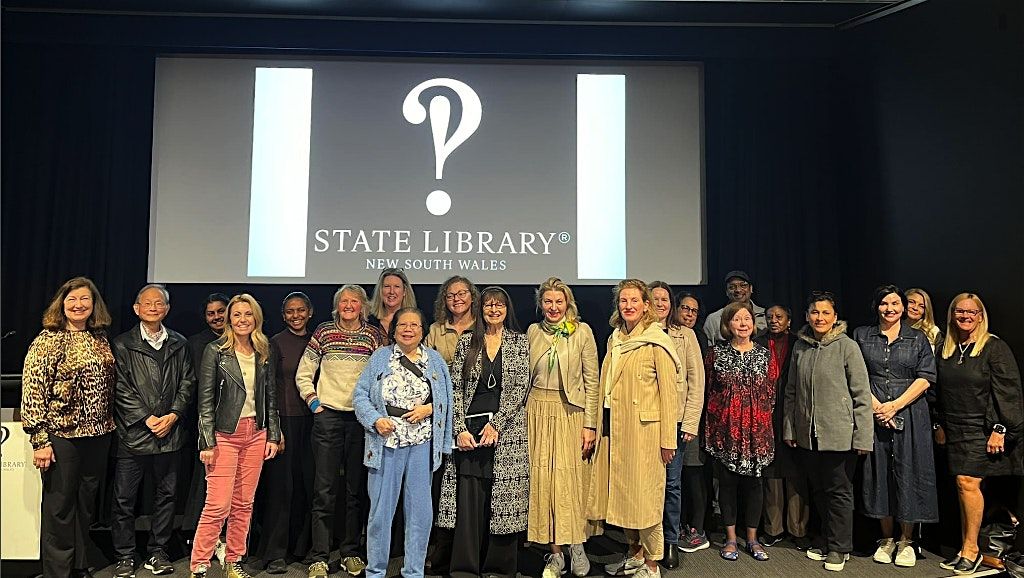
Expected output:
(156, 341)
(402, 388)
(892, 367)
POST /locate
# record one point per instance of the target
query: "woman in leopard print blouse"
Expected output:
(66, 405)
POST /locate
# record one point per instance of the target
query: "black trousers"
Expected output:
(337, 440)
(285, 494)
(475, 551)
(830, 476)
(735, 489)
(695, 497)
(128, 473)
(69, 502)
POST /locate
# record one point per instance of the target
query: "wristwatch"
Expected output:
(999, 429)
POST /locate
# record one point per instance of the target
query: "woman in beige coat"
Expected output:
(638, 429)
(560, 426)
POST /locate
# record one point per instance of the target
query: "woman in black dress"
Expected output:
(485, 491)
(979, 394)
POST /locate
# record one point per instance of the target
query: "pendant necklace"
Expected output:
(963, 349)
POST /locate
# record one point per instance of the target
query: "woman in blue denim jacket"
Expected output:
(403, 399)
(899, 475)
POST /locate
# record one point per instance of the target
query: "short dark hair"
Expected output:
(394, 322)
(817, 296)
(884, 291)
(789, 312)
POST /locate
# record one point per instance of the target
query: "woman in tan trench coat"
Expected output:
(637, 425)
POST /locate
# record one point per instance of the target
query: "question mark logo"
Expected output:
(440, 202)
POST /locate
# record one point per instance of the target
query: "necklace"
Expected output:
(963, 349)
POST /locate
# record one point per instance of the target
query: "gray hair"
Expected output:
(167, 295)
(364, 311)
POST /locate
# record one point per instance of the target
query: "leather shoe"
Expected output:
(966, 567)
(671, 558)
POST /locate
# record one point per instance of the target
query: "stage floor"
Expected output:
(785, 562)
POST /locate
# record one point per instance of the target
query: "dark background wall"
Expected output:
(834, 159)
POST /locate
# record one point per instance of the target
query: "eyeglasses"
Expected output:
(156, 304)
(968, 312)
(738, 286)
(457, 295)
(409, 326)
(689, 309)
(494, 305)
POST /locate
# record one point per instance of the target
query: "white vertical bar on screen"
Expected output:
(279, 193)
(600, 176)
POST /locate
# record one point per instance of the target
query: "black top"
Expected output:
(975, 393)
(479, 463)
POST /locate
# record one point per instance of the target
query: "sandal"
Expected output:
(731, 555)
(755, 549)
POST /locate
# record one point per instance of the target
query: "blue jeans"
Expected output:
(674, 495)
(405, 468)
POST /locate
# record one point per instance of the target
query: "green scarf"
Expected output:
(562, 329)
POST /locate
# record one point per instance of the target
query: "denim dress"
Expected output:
(899, 474)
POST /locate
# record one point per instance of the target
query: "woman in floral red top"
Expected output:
(741, 395)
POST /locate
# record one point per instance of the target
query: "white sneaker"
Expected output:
(578, 560)
(554, 565)
(646, 572)
(625, 567)
(906, 557)
(886, 548)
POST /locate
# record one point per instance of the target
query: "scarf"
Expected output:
(562, 329)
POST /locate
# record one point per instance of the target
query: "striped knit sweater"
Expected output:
(340, 355)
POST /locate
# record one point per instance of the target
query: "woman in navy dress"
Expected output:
(899, 474)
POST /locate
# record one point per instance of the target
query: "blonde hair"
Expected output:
(377, 303)
(259, 341)
(54, 318)
(359, 292)
(980, 333)
(645, 293)
(926, 323)
(572, 314)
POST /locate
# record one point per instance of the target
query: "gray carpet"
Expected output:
(786, 562)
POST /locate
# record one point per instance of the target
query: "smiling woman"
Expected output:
(979, 393)
(239, 428)
(66, 409)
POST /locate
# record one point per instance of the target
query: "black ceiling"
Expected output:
(823, 13)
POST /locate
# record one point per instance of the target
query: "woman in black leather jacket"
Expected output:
(239, 428)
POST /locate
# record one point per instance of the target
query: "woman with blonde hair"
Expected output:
(239, 428)
(560, 427)
(392, 292)
(637, 397)
(67, 395)
(921, 316)
(979, 396)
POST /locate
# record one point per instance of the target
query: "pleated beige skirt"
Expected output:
(559, 478)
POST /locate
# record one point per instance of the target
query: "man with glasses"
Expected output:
(155, 381)
(739, 289)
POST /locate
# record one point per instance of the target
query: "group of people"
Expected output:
(488, 435)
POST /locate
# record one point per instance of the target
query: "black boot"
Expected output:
(671, 558)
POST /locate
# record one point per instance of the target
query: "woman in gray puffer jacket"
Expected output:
(827, 415)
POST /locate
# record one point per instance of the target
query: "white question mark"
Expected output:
(439, 202)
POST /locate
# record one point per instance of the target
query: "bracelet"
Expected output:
(313, 405)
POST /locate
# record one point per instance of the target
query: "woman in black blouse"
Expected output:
(981, 416)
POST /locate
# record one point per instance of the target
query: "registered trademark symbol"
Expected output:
(564, 237)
